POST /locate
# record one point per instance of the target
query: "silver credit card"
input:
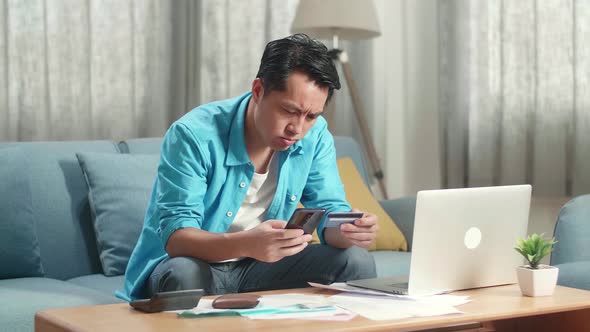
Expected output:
(335, 219)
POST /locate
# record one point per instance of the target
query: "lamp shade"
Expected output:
(349, 19)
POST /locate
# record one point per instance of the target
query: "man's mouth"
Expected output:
(287, 141)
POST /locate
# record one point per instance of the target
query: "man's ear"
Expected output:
(257, 90)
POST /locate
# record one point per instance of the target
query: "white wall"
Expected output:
(405, 95)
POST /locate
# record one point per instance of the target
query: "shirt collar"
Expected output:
(237, 154)
(296, 148)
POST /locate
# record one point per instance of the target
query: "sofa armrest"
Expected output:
(402, 211)
(574, 274)
(572, 231)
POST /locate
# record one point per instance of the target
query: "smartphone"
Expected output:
(306, 219)
(335, 219)
(176, 300)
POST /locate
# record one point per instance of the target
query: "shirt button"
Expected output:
(229, 213)
(242, 184)
(293, 198)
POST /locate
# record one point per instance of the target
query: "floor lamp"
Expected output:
(350, 20)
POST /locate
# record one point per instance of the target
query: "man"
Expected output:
(230, 174)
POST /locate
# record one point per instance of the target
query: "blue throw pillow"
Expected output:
(19, 247)
(119, 189)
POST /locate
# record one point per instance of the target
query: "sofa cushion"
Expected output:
(119, 187)
(21, 298)
(389, 236)
(101, 283)
(60, 206)
(19, 249)
(392, 263)
(150, 145)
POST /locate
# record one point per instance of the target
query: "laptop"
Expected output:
(463, 239)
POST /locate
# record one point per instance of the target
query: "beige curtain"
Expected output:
(115, 69)
(514, 94)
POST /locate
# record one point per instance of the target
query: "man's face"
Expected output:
(283, 117)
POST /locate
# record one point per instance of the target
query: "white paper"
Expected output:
(283, 300)
(388, 308)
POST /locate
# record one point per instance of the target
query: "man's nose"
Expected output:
(296, 126)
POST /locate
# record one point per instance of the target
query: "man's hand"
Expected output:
(361, 233)
(270, 241)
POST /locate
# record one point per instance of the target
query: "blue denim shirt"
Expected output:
(205, 171)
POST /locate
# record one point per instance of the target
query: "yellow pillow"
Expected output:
(389, 237)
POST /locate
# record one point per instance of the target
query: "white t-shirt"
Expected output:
(258, 198)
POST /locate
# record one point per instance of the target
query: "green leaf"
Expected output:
(534, 248)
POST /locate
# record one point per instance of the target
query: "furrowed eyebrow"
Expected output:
(293, 107)
(296, 108)
(316, 114)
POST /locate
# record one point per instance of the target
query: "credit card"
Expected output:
(335, 219)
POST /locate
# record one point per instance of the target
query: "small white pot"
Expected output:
(537, 282)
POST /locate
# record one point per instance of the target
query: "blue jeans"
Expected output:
(317, 263)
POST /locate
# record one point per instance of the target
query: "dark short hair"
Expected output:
(298, 52)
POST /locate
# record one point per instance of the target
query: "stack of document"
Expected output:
(280, 306)
(341, 307)
(386, 306)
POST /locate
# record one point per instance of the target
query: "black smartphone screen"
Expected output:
(306, 219)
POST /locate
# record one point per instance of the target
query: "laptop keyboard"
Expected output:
(400, 285)
(399, 288)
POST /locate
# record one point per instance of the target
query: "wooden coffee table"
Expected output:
(500, 308)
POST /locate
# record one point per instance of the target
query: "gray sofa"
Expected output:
(52, 255)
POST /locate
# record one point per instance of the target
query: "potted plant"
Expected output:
(536, 279)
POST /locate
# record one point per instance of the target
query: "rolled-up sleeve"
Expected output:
(182, 182)
(324, 189)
